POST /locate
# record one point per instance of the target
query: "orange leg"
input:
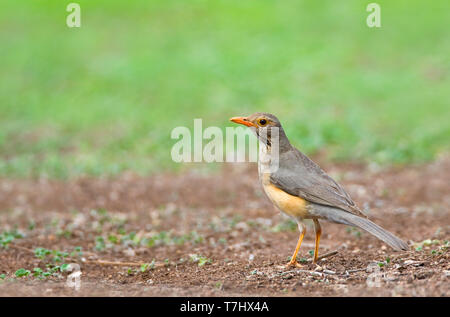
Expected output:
(318, 230)
(293, 261)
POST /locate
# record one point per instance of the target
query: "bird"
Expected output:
(301, 189)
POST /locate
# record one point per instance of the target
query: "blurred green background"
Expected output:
(104, 98)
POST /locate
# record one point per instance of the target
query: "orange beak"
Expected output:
(242, 120)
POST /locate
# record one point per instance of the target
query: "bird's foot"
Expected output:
(293, 263)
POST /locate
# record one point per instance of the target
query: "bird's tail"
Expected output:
(363, 223)
(376, 230)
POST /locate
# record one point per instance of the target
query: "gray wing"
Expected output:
(303, 178)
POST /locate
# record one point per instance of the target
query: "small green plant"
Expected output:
(419, 246)
(101, 215)
(202, 261)
(55, 269)
(7, 237)
(41, 253)
(199, 259)
(100, 243)
(37, 271)
(22, 272)
(441, 249)
(2, 276)
(113, 239)
(147, 266)
(58, 256)
(63, 267)
(130, 239)
(77, 251)
(40, 274)
(144, 267)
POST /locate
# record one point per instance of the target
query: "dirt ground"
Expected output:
(218, 235)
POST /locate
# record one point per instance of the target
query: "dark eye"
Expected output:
(262, 122)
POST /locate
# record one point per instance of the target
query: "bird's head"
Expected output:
(263, 124)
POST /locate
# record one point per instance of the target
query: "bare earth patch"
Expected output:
(218, 235)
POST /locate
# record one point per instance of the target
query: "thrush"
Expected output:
(299, 188)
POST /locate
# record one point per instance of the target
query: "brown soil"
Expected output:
(246, 240)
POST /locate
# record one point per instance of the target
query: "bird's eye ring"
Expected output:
(262, 122)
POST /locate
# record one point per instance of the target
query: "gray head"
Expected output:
(263, 123)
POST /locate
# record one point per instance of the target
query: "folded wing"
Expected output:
(303, 178)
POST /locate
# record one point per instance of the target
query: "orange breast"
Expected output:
(291, 205)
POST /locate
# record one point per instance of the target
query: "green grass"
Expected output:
(104, 98)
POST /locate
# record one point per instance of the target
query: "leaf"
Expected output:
(63, 267)
(22, 272)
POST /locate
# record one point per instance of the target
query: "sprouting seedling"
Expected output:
(22, 272)
(41, 253)
(113, 239)
(147, 266)
(63, 267)
(7, 237)
(39, 273)
(100, 243)
(199, 259)
(58, 256)
(144, 267)
(425, 243)
(77, 251)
